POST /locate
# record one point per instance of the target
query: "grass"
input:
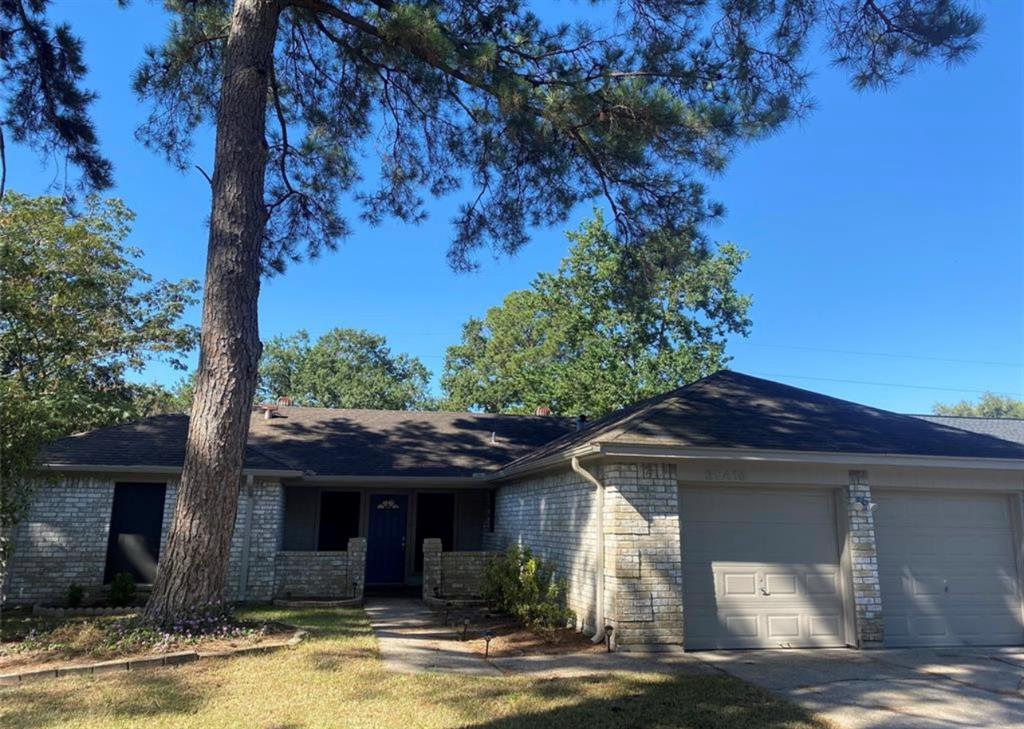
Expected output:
(335, 679)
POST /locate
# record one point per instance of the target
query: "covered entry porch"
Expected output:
(394, 520)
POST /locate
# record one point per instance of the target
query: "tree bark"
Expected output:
(193, 569)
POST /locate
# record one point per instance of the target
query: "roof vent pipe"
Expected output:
(581, 422)
(494, 437)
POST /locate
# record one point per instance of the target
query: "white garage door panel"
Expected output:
(760, 569)
(947, 569)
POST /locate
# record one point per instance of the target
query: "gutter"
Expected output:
(599, 537)
(843, 458)
(587, 449)
(170, 470)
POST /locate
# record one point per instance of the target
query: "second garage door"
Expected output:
(760, 569)
(947, 569)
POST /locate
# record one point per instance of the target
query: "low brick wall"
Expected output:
(336, 575)
(452, 575)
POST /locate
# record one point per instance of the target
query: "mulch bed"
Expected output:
(80, 642)
(512, 640)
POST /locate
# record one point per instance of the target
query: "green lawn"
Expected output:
(335, 679)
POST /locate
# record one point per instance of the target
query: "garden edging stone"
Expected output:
(145, 663)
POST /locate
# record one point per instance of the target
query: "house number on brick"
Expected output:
(726, 474)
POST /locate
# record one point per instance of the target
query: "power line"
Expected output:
(1019, 365)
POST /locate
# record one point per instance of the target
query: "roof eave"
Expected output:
(541, 464)
(825, 457)
(169, 470)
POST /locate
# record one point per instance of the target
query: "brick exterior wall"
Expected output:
(337, 575)
(61, 540)
(867, 594)
(449, 575)
(643, 562)
(553, 515)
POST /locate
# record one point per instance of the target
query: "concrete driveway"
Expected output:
(885, 689)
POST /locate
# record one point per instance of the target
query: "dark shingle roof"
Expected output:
(1011, 429)
(726, 410)
(157, 441)
(398, 443)
(329, 442)
(733, 410)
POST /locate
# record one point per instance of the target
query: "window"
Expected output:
(339, 520)
(435, 519)
(136, 522)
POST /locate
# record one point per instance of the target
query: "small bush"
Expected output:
(525, 587)
(122, 589)
(75, 595)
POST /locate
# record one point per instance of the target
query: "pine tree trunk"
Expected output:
(193, 569)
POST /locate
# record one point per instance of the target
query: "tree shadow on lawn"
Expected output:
(138, 696)
(663, 702)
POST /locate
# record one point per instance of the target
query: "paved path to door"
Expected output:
(412, 639)
(940, 688)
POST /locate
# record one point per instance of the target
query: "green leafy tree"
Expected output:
(156, 399)
(345, 368)
(989, 405)
(77, 315)
(534, 116)
(42, 101)
(614, 325)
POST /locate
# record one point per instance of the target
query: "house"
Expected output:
(734, 512)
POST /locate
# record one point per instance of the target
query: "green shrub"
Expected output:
(526, 588)
(75, 595)
(122, 589)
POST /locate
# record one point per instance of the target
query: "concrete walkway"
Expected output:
(941, 688)
(412, 639)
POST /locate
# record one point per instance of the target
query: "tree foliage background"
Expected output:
(989, 405)
(614, 325)
(344, 368)
(77, 315)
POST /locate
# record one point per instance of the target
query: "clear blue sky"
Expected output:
(886, 231)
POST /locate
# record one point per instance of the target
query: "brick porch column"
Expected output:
(357, 565)
(867, 594)
(431, 568)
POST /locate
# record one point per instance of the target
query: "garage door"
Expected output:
(760, 569)
(947, 569)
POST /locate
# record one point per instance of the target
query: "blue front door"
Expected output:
(385, 543)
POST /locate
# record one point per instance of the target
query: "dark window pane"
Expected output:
(339, 520)
(300, 503)
(435, 519)
(136, 522)
(492, 509)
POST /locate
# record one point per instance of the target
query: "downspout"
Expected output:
(243, 577)
(599, 536)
